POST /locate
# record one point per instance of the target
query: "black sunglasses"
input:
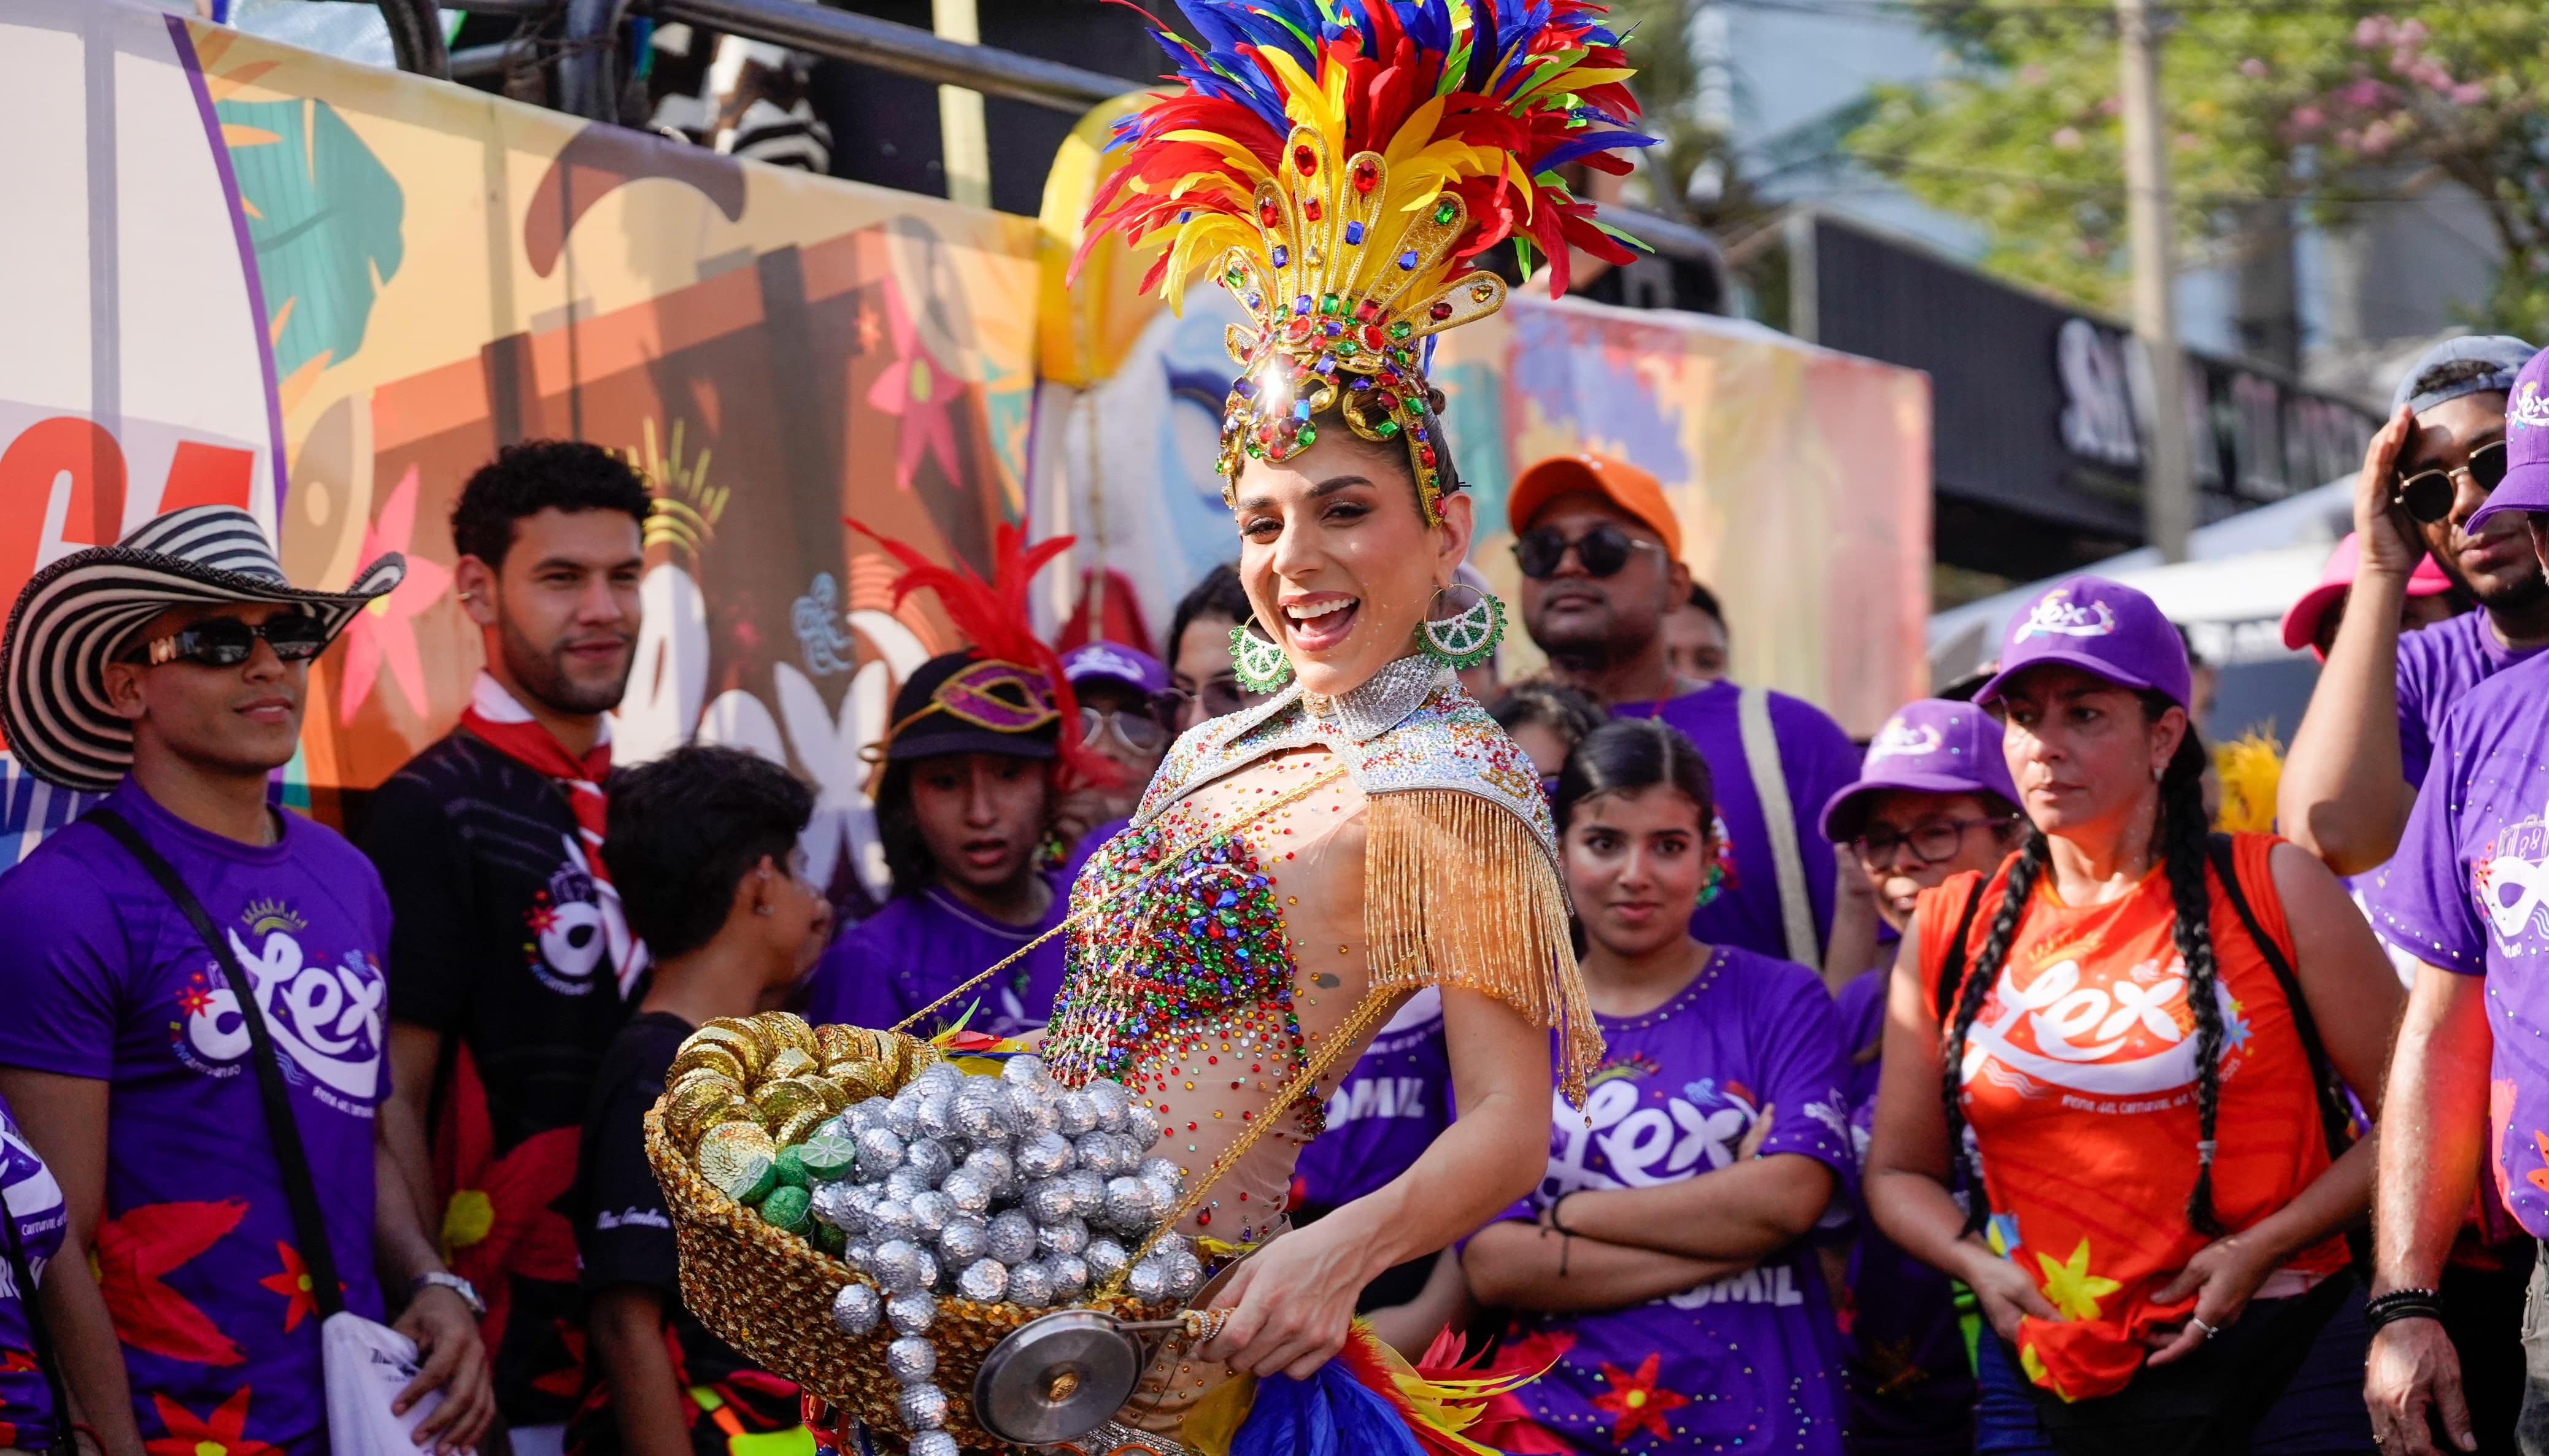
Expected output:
(227, 642)
(1602, 551)
(2427, 495)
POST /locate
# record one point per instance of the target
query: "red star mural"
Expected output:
(131, 1255)
(219, 1434)
(1634, 1403)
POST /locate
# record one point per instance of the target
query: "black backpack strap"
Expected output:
(317, 1256)
(23, 1271)
(1951, 972)
(2334, 1121)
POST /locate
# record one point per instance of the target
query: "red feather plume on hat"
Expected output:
(995, 620)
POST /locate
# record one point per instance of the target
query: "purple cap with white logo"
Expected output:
(2526, 445)
(2103, 628)
(1930, 746)
(1114, 661)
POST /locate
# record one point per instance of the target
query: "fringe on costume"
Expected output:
(1458, 892)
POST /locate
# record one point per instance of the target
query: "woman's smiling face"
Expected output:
(1337, 559)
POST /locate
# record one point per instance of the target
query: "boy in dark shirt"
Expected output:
(702, 847)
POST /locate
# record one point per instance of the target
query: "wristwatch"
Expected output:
(468, 1292)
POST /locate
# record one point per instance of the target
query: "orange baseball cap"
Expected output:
(1616, 481)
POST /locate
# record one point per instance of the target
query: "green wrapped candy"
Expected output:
(828, 1156)
(786, 1208)
(830, 1240)
(790, 1168)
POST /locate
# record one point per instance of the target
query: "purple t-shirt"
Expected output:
(1749, 1363)
(197, 1257)
(1390, 1107)
(2468, 892)
(32, 1197)
(1817, 759)
(1911, 1386)
(919, 948)
(2438, 666)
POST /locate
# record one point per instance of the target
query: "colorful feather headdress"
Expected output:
(1337, 164)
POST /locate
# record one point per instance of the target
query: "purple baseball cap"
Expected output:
(2102, 627)
(1931, 745)
(1117, 663)
(2525, 485)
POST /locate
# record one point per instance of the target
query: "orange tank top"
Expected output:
(2080, 1086)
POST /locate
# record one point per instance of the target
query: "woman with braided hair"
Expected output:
(2144, 1034)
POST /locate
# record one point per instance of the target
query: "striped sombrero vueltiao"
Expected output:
(76, 614)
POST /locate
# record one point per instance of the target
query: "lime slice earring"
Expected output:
(1463, 641)
(1257, 662)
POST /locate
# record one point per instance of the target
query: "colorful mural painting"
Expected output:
(327, 292)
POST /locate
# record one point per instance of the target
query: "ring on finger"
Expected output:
(2208, 1330)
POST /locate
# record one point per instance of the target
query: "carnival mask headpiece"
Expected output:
(1337, 164)
(1008, 694)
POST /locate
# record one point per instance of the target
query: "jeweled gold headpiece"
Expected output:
(1337, 164)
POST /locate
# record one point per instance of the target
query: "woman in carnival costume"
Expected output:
(1301, 869)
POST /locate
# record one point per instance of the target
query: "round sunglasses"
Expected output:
(2427, 495)
(227, 642)
(1601, 551)
(1930, 843)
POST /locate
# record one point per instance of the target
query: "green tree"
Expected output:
(2324, 109)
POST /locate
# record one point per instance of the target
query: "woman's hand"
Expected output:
(1291, 1300)
(2223, 1276)
(2004, 1291)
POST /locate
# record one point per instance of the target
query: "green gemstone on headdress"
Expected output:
(1347, 348)
(1386, 428)
(1329, 303)
(1308, 433)
(1401, 330)
(1443, 211)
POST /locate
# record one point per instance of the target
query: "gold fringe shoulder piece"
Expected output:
(1460, 892)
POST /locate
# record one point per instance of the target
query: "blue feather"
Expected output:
(1331, 1413)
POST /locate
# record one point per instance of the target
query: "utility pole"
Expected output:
(2168, 478)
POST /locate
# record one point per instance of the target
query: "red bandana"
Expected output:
(511, 730)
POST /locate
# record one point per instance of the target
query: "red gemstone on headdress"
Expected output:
(1366, 176)
(1365, 309)
(1299, 327)
(1440, 311)
(1310, 210)
(1305, 160)
(1372, 337)
(1266, 213)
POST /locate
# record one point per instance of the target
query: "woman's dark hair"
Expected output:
(1562, 710)
(683, 830)
(532, 475)
(1627, 755)
(907, 860)
(1218, 595)
(2184, 831)
(1705, 600)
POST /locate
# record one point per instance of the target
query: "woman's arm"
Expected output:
(1742, 1212)
(1441, 1304)
(1906, 1181)
(1530, 1267)
(1291, 1301)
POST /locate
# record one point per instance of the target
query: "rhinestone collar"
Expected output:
(1294, 718)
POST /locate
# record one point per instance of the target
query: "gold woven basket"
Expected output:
(769, 1294)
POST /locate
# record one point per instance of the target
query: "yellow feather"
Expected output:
(1239, 159)
(1417, 133)
(2251, 769)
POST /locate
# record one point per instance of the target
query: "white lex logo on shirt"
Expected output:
(326, 1019)
(28, 1193)
(2073, 1033)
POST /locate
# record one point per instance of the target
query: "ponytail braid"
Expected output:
(1980, 976)
(2184, 833)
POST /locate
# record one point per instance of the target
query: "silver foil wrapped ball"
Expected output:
(1043, 1155)
(968, 1238)
(855, 1308)
(921, 1406)
(1087, 1190)
(984, 1281)
(939, 1076)
(1011, 1237)
(930, 1270)
(1186, 1276)
(911, 1360)
(969, 1191)
(1162, 1168)
(930, 1212)
(1142, 1126)
(1051, 1199)
(890, 1218)
(903, 1111)
(1074, 1114)
(1149, 1280)
(1106, 1258)
(929, 1158)
(1130, 1204)
(1030, 1109)
(906, 1183)
(1171, 1246)
(911, 1312)
(1102, 1154)
(1109, 1099)
(933, 1443)
(979, 1109)
(936, 1116)
(833, 1205)
(1031, 1285)
(1065, 1236)
(859, 1254)
(879, 1152)
(1165, 1192)
(897, 1265)
(1026, 1070)
(1070, 1275)
(998, 1169)
(866, 1115)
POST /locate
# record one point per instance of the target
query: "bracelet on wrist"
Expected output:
(2402, 1304)
(1558, 1204)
